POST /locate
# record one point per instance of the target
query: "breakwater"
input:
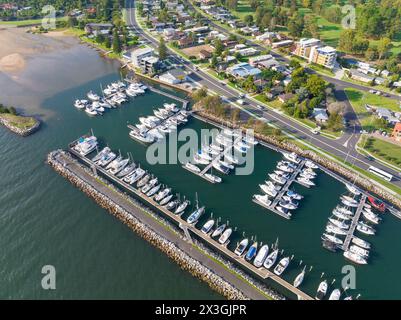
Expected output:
(22, 132)
(283, 145)
(63, 163)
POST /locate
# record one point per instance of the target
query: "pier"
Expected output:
(260, 272)
(354, 222)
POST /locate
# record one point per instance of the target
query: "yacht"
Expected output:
(307, 175)
(360, 242)
(145, 189)
(293, 157)
(141, 137)
(299, 278)
(263, 200)
(153, 191)
(207, 226)
(192, 167)
(340, 224)
(344, 210)
(360, 251)
(271, 259)
(277, 178)
(322, 290)
(282, 174)
(135, 176)
(261, 256)
(199, 160)
(288, 205)
(239, 250)
(294, 195)
(117, 167)
(364, 228)
(93, 96)
(171, 107)
(336, 230)
(166, 200)
(130, 93)
(289, 199)
(86, 145)
(231, 133)
(281, 266)
(231, 158)
(195, 215)
(340, 215)
(272, 185)
(225, 235)
(285, 168)
(349, 201)
(311, 164)
(216, 147)
(353, 189)
(105, 151)
(240, 149)
(219, 230)
(226, 164)
(127, 170)
(162, 194)
(80, 104)
(156, 134)
(209, 149)
(220, 167)
(283, 211)
(171, 205)
(268, 190)
(213, 178)
(335, 295)
(251, 253)
(370, 216)
(106, 159)
(204, 155)
(354, 257)
(305, 181)
(114, 162)
(91, 111)
(332, 239)
(143, 181)
(180, 209)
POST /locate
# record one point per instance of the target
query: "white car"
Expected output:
(241, 102)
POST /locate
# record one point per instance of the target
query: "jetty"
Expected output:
(222, 249)
(355, 219)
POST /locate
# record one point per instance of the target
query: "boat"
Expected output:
(106, 159)
(101, 154)
(225, 235)
(213, 178)
(344, 210)
(231, 133)
(156, 134)
(305, 181)
(360, 242)
(166, 200)
(162, 194)
(153, 191)
(281, 266)
(288, 205)
(349, 204)
(370, 216)
(285, 168)
(273, 186)
(299, 278)
(354, 257)
(331, 246)
(261, 256)
(262, 199)
(251, 253)
(145, 189)
(141, 137)
(282, 174)
(332, 239)
(277, 178)
(127, 170)
(239, 250)
(209, 149)
(219, 230)
(207, 226)
(353, 189)
(271, 259)
(93, 96)
(171, 205)
(219, 167)
(360, 251)
(349, 199)
(195, 215)
(171, 107)
(284, 211)
(192, 167)
(204, 155)
(240, 149)
(311, 164)
(293, 157)
(336, 230)
(294, 195)
(377, 204)
(322, 290)
(143, 181)
(364, 228)
(181, 207)
(135, 176)
(216, 147)
(307, 175)
(231, 158)
(340, 215)
(86, 145)
(226, 164)
(79, 104)
(335, 295)
(199, 160)
(340, 224)
(91, 111)
(268, 190)
(117, 167)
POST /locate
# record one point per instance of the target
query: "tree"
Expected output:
(335, 121)
(72, 21)
(12, 110)
(248, 19)
(315, 85)
(107, 42)
(213, 61)
(199, 94)
(162, 49)
(232, 4)
(218, 47)
(383, 46)
(116, 41)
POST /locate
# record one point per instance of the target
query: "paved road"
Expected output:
(343, 147)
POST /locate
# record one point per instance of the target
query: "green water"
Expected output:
(45, 220)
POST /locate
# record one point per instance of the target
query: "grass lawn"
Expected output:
(21, 23)
(329, 32)
(358, 100)
(381, 149)
(320, 69)
(20, 122)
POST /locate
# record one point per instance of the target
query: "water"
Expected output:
(45, 220)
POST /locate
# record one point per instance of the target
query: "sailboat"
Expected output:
(197, 213)
(300, 278)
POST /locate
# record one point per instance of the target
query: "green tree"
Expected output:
(162, 49)
(116, 41)
(315, 85)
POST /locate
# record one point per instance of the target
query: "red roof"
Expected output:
(397, 126)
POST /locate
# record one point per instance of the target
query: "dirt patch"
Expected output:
(12, 63)
(194, 51)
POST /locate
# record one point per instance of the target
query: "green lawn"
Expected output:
(20, 122)
(358, 100)
(21, 23)
(329, 32)
(381, 149)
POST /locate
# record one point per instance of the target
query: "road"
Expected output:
(343, 147)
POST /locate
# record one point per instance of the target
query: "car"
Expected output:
(241, 102)
(241, 95)
(222, 82)
(372, 91)
(378, 93)
(369, 158)
(258, 106)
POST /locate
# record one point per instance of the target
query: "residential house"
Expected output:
(320, 115)
(204, 54)
(173, 76)
(98, 28)
(359, 76)
(383, 113)
(244, 70)
(274, 92)
(185, 41)
(247, 52)
(283, 98)
(396, 134)
(255, 60)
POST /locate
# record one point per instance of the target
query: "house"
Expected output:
(281, 44)
(186, 41)
(267, 36)
(397, 84)
(396, 134)
(139, 54)
(283, 98)
(383, 113)
(244, 70)
(274, 92)
(255, 60)
(379, 80)
(204, 54)
(287, 81)
(357, 75)
(98, 28)
(169, 33)
(173, 76)
(246, 52)
(320, 115)
(268, 64)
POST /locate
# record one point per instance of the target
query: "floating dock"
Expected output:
(354, 223)
(261, 272)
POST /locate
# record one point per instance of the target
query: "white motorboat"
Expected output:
(162, 194)
(340, 215)
(335, 295)
(370, 216)
(261, 256)
(231, 133)
(226, 164)
(289, 199)
(294, 195)
(216, 147)
(114, 163)
(334, 229)
(285, 168)
(204, 155)
(263, 200)
(93, 96)
(360, 242)
(282, 174)
(353, 189)
(305, 181)
(271, 259)
(283, 211)
(354, 257)
(101, 154)
(171, 107)
(277, 178)
(240, 149)
(156, 134)
(86, 145)
(268, 190)
(272, 185)
(344, 210)
(91, 111)
(141, 137)
(332, 239)
(213, 178)
(192, 167)
(231, 158)
(79, 104)
(219, 167)
(207, 226)
(307, 175)
(349, 199)
(166, 200)
(288, 204)
(299, 278)
(106, 159)
(340, 224)
(127, 170)
(135, 176)
(281, 266)
(360, 251)
(219, 230)
(240, 249)
(144, 180)
(180, 209)
(199, 160)
(322, 290)
(311, 164)
(225, 235)
(364, 228)
(293, 157)
(153, 191)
